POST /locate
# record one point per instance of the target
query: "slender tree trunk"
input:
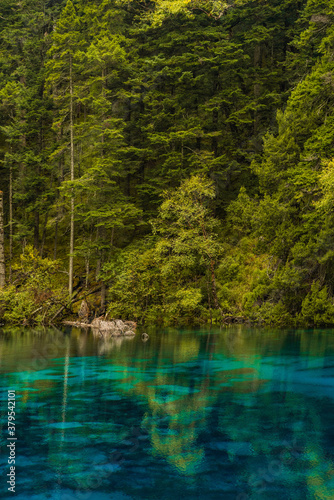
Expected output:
(44, 233)
(70, 283)
(103, 296)
(103, 96)
(10, 221)
(87, 269)
(2, 246)
(212, 272)
(103, 285)
(60, 209)
(214, 144)
(209, 302)
(213, 281)
(56, 241)
(36, 231)
(257, 87)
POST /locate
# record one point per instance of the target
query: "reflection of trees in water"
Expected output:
(179, 399)
(280, 426)
(193, 385)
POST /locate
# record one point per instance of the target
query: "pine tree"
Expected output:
(63, 71)
(26, 124)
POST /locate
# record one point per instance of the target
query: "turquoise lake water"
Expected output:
(236, 414)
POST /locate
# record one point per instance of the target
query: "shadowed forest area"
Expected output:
(171, 162)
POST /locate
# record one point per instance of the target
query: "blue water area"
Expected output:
(232, 414)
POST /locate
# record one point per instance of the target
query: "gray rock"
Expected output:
(115, 328)
(104, 328)
(84, 311)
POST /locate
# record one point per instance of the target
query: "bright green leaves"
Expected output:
(163, 9)
(326, 179)
(106, 52)
(187, 228)
(171, 280)
(65, 59)
(317, 307)
(39, 290)
(66, 36)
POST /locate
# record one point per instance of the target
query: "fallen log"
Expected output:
(78, 324)
(75, 299)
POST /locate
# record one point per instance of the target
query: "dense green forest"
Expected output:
(171, 161)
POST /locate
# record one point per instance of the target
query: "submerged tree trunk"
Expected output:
(2, 246)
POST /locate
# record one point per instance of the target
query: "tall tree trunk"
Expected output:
(214, 143)
(257, 87)
(212, 272)
(56, 240)
(70, 283)
(103, 297)
(44, 234)
(36, 230)
(60, 209)
(213, 282)
(2, 246)
(10, 221)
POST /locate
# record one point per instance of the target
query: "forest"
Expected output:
(171, 162)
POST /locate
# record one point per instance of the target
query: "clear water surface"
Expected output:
(233, 414)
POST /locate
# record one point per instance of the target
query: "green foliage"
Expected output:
(140, 291)
(193, 141)
(317, 307)
(171, 281)
(135, 290)
(36, 293)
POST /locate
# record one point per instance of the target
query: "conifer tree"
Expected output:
(26, 124)
(63, 71)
